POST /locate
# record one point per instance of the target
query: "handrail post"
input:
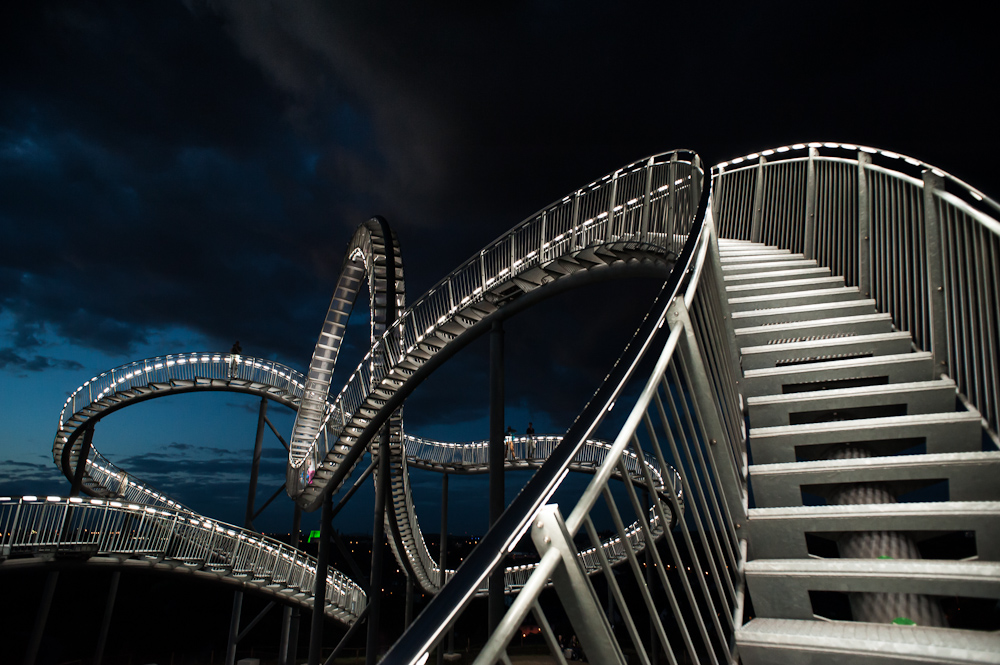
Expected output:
(758, 202)
(608, 232)
(934, 260)
(671, 210)
(809, 240)
(583, 607)
(864, 228)
(644, 217)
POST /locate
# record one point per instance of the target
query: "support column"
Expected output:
(102, 638)
(81, 461)
(378, 546)
(319, 590)
(809, 241)
(290, 618)
(41, 617)
(234, 628)
(443, 556)
(255, 466)
(497, 455)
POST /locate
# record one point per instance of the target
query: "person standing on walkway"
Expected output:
(530, 432)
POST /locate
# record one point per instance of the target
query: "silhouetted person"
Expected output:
(531, 440)
(235, 360)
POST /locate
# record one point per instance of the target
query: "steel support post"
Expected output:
(719, 277)
(864, 229)
(378, 547)
(408, 610)
(443, 556)
(758, 202)
(583, 607)
(809, 241)
(731, 479)
(498, 452)
(319, 590)
(234, 628)
(290, 617)
(109, 608)
(81, 461)
(255, 465)
(934, 253)
(41, 617)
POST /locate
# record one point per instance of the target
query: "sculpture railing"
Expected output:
(110, 528)
(922, 243)
(181, 367)
(688, 416)
(645, 205)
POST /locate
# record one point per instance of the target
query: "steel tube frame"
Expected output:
(498, 452)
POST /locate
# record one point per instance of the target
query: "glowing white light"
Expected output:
(783, 148)
(848, 146)
(30, 498)
(798, 146)
(939, 174)
(975, 195)
(753, 155)
(888, 154)
(737, 160)
(870, 151)
(52, 498)
(910, 160)
(767, 153)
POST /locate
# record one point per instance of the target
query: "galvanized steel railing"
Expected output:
(688, 416)
(31, 526)
(924, 244)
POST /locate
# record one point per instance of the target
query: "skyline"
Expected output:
(181, 175)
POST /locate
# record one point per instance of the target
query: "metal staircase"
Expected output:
(843, 411)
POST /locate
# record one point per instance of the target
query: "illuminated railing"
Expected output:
(31, 526)
(171, 373)
(645, 206)
(688, 415)
(922, 243)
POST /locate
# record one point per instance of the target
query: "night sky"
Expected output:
(178, 175)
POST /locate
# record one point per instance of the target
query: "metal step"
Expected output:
(780, 533)
(809, 312)
(941, 432)
(780, 587)
(791, 642)
(917, 397)
(896, 368)
(773, 275)
(758, 257)
(766, 266)
(784, 286)
(970, 476)
(841, 326)
(825, 349)
(744, 304)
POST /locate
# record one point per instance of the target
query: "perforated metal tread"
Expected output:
(747, 303)
(917, 397)
(791, 642)
(802, 312)
(779, 533)
(784, 286)
(863, 324)
(971, 476)
(940, 432)
(896, 368)
(780, 587)
(775, 275)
